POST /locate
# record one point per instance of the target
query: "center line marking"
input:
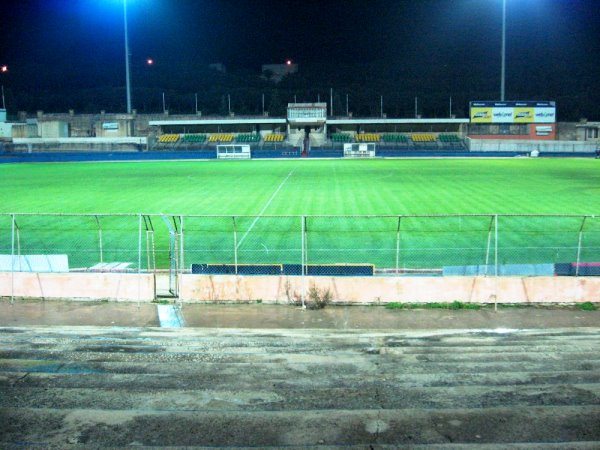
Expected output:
(264, 208)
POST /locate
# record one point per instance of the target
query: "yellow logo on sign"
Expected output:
(524, 115)
(481, 115)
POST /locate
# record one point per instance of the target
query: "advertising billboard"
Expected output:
(512, 112)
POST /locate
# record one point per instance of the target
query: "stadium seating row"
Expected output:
(341, 137)
(335, 137)
(368, 137)
(275, 137)
(402, 138)
(423, 138)
(449, 138)
(169, 138)
(396, 138)
(194, 138)
(221, 137)
(249, 138)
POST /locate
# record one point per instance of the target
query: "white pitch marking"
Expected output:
(264, 208)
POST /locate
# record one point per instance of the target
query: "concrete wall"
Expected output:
(80, 286)
(24, 130)
(582, 132)
(274, 289)
(5, 130)
(566, 131)
(80, 144)
(54, 129)
(113, 128)
(281, 289)
(476, 145)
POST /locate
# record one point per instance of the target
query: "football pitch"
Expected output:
(364, 196)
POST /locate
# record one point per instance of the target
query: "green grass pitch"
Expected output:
(261, 189)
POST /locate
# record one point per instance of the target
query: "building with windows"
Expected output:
(588, 131)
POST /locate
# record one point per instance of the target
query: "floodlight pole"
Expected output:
(503, 74)
(331, 101)
(347, 109)
(127, 58)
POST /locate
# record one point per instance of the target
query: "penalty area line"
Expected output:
(264, 209)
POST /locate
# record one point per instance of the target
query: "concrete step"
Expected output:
(96, 387)
(201, 396)
(220, 377)
(404, 427)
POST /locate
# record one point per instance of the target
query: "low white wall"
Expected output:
(80, 286)
(525, 146)
(282, 289)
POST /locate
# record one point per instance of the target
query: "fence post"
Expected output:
(398, 245)
(579, 246)
(182, 260)
(496, 247)
(100, 239)
(235, 251)
(489, 243)
(12, 260)
(303, 240)
(181, 246)
(139, 257)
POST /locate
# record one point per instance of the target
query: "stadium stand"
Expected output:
(450, 139)
(423, 137)
(395, 138)
(368, 137)
(248, 138)
(275, 137)
(221, 137)
(341, 137)
(194, 138)
(169, 138)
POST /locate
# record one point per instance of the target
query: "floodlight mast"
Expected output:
(503, 70)
(127, 58)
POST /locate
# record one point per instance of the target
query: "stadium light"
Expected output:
(3, 69)
(503, 70)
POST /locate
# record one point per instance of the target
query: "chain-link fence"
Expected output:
(58, 243)
(459, 244)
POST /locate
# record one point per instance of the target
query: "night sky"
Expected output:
(449, 46)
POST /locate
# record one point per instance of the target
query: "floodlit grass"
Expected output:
(444, 186)
(261, 189)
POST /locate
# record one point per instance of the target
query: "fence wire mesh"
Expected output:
(391, 244)
(89, 242)
(5, 234)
